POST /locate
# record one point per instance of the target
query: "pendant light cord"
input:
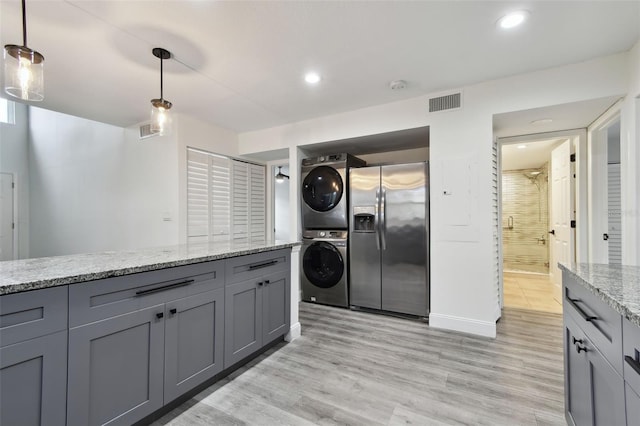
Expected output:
(24, 23)
(161, 82)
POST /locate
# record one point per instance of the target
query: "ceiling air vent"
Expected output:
(442, 103)
(145, 131)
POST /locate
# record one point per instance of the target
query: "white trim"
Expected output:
(464, 325)
(294, 332)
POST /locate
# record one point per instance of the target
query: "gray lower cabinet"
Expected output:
(33, 357)
(33, 381)
(257, 313)
(116, 368)
(633, 406)
(595, 391)
(194, 338)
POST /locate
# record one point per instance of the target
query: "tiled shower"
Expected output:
(525, 217)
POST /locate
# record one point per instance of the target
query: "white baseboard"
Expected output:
(465, 325)
(294, 332)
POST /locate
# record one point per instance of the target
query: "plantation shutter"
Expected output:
(220, 205)
(257, 203)
(240, 202)
(198, 213)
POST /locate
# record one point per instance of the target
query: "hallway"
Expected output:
(534, 292)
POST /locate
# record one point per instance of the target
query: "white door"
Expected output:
(561, 209)
(6, 216)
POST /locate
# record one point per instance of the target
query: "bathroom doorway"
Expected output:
(528, 238)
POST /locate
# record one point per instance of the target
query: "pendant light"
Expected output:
(280, 177)
(23, 68)
(160, 118)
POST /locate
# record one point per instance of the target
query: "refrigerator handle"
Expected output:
(383, 219)
(377, 222)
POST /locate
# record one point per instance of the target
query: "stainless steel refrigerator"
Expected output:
(389, 235)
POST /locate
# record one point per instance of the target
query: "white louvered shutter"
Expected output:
(240, 202)
(220, 196)
(198, 214)
(614, 217)
(257, 209)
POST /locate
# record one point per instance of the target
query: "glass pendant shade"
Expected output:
(160, 117)
(23, 73)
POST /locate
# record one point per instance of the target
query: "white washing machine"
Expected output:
(324, 273)
(325, 191)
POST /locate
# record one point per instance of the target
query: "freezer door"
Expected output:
(404, 239)
(364, 255)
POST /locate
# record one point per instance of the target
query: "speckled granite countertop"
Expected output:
(618, 286)
(30, 274)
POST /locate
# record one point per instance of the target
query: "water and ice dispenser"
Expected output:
(364, 218)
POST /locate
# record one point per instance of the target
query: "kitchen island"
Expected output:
(114, 337)
(601, 305)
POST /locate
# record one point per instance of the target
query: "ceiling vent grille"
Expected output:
(443, 103)
(145, 131)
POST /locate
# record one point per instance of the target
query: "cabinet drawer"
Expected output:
(101, 299)
(600, 322)
(244, 268)
(631, 355)
(31, 314)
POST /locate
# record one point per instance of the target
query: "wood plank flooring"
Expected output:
(355, 368)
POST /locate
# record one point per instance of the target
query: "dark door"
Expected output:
(323, 264)
(322, 188)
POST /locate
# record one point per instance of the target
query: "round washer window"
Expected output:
(322, 188)
(322, 264)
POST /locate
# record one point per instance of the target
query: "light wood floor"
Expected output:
(532, 291)
(354, 368)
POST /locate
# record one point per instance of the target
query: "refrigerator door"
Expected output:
(403, 225)
(364, 254)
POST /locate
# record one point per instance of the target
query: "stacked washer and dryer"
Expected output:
(325, 224)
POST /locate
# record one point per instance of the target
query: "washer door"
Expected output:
(322, 188)
(322, 264)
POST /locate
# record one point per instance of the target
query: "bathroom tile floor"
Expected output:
(534, 292)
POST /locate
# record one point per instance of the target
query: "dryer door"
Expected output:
(322, 188)
(323, 264)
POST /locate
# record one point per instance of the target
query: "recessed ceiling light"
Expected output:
(312, 78)
(513, 19)
(542, 121)
(522, 146)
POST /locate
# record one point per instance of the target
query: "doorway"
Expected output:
(281, 210)
(6, 216)
(537, 187)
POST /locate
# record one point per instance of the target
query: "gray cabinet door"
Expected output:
(116, 368)
(633, 406)
(33, 381)
(275, 306)
(194, 330)
(243, 320)
(577, 375)
(607, 391)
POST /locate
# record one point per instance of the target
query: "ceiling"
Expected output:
(239, 64)
(528, 155)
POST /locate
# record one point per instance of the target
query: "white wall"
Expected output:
(463, 291)
(397, 157)
(96, 187)
(14, 159)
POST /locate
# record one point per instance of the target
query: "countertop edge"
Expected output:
(111, 273)
(603, 295)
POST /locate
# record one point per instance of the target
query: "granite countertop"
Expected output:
(618, 286)
(31, 274)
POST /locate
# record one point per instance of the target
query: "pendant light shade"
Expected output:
(23, 68)
(160, 117)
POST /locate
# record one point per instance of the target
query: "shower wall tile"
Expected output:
(525, 247)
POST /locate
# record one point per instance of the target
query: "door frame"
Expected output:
(14, 215)
(578, 139)
(597, 183)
